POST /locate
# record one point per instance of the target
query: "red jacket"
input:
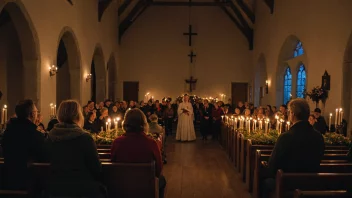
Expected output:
(136, 148)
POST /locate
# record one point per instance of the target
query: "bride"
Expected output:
(185, 127)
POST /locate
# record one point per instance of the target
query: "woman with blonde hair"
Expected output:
(75, 164)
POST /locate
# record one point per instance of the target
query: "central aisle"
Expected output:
(200, 170)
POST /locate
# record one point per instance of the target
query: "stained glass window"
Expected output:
(301, 81)
(287, 85)
(298, 50)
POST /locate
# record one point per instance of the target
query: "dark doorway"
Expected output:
(93, 83)
(130, 91)
(239, 92)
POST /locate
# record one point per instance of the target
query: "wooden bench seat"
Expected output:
(337, 166)
(287, 183)
(104, 155)
(322, 194)
(14, 194)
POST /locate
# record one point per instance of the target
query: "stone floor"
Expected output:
(200, 170)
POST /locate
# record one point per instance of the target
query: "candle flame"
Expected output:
(118, 118)
(5, 106)
(330, 114)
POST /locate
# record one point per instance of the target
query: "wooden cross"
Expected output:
(190, 34)
(192, 83)
(191, 55)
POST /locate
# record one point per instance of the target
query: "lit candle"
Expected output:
(115, 120)
(255, 125)
(288, 126)
(4, 115)
(249, 125)
(109, 124)
(235, 126)
(106, 127)
(341, 116)
(54, 110)
(336, 117)
(5, 107)
(277, 122)
(222, 118)
(330, 122)
(118, 119)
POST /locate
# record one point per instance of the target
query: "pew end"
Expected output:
(14, 194)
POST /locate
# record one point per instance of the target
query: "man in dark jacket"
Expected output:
(320, 124)
(300, 149)
(22, 143)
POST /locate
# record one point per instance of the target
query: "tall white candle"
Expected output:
(341, 116)
(2, 116)
(330, 122)
(106, 129)
(5, 114)
(54, 110)
(255, 125)
(336, 117)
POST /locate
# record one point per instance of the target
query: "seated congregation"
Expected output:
(84, 154)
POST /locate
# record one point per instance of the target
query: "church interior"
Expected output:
(256, 73)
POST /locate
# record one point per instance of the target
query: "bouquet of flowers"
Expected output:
(317, 94)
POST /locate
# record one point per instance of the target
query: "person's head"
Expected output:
(240, 104)
(40, 117)
(107, 103)
(114, 108)
(117, 104)
(124, 104)
(101, 105)
(229, 101)
(268, 107)
(312, 119)
(153, 118)
(132, 104)
(70, 112)
(104, 111)
(260, 111)
(141, 103)
(90, 105)
(283, 109)
(317, 112)
(216, 106)
(237, 111)
(186, 98)
(246, 104)
(247, 112)
(91, 116)
(274, 109)
(298, 110)
(85, 109)
(135, 122)
(26, 109)
(206, 102)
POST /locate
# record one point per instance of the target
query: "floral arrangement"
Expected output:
(270, 138)
(316, 94)
(192, 98)
(108, 137)
(168, 98)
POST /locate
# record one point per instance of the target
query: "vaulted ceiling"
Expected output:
(241, 12)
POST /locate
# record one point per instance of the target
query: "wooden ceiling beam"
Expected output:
(102, 6)
(123, 7)
(132, 16)
(176, 3)
(246, 10)
(270, 4)
(247, 30)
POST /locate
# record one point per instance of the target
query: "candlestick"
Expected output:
(330, 122)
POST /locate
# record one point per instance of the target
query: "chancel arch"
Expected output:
(292, 56)
(19, 56)
(98, 71)
(347, 85)
(68, 77)
(260, 80)
(112, 77)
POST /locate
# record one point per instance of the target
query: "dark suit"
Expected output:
(298, 150)
(205, 124)
(320, 125)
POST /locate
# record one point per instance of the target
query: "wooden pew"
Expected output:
(286, 183)
(326, 166)
(13, 194)
(104, 155)
(104, 146)
(132, 180)
(251, 158)
(322, 194)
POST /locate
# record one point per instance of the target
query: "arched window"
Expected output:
(298, 50)
(301, 81)
(287, 85)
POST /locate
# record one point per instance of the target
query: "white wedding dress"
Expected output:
(185, 128)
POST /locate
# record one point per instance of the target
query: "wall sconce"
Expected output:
(52, 70)
(266, 86)
(89, 77)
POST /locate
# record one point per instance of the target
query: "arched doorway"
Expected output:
(68, 78)
(98, 84)
(259, 81)
(112, 76)
(19, 56)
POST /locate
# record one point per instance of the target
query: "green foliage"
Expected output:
(108, 137)
(260, 138)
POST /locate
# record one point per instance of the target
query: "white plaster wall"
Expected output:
(154, 52)
(324, 28)
(49, 17)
